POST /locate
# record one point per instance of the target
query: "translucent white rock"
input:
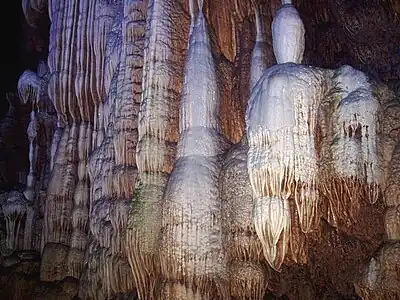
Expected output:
(282, 159)
(355, 145)
(288, 35)
(192, 242)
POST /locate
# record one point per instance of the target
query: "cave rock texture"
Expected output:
(190, 149)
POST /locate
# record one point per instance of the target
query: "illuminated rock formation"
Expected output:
(32, 89)
(157, 138)
(281, 123)
(248, 277)
(287, 161)
(206, 150)
(192, 261)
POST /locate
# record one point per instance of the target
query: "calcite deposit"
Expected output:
(199, 149)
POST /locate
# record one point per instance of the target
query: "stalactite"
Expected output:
(259, 54)
(282, 158)
(80, 215)
(241, 245)
(140, 197)
(29, 91)
(298, 247)
(281, 124)
(15, 209)
(32, 89)
(157, 137)
(191, 240)
(354, 172)
(290, 46)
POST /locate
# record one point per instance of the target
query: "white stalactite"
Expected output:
(288, 35)
(192, 240)
(282, 159)
(355, 172)
(356, 119)
(29, 90)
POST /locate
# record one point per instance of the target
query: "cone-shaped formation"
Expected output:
(259, 54)
(288, 34)
(200, 97)
(191, 251)
(29, 87)
(126, 209)
(32, 89)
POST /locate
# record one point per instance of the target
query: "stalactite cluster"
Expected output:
(113, 167)
(157, 138)
(180, 149)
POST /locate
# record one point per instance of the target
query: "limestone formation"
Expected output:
(198, 149)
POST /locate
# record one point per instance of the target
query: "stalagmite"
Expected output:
(191, 252)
